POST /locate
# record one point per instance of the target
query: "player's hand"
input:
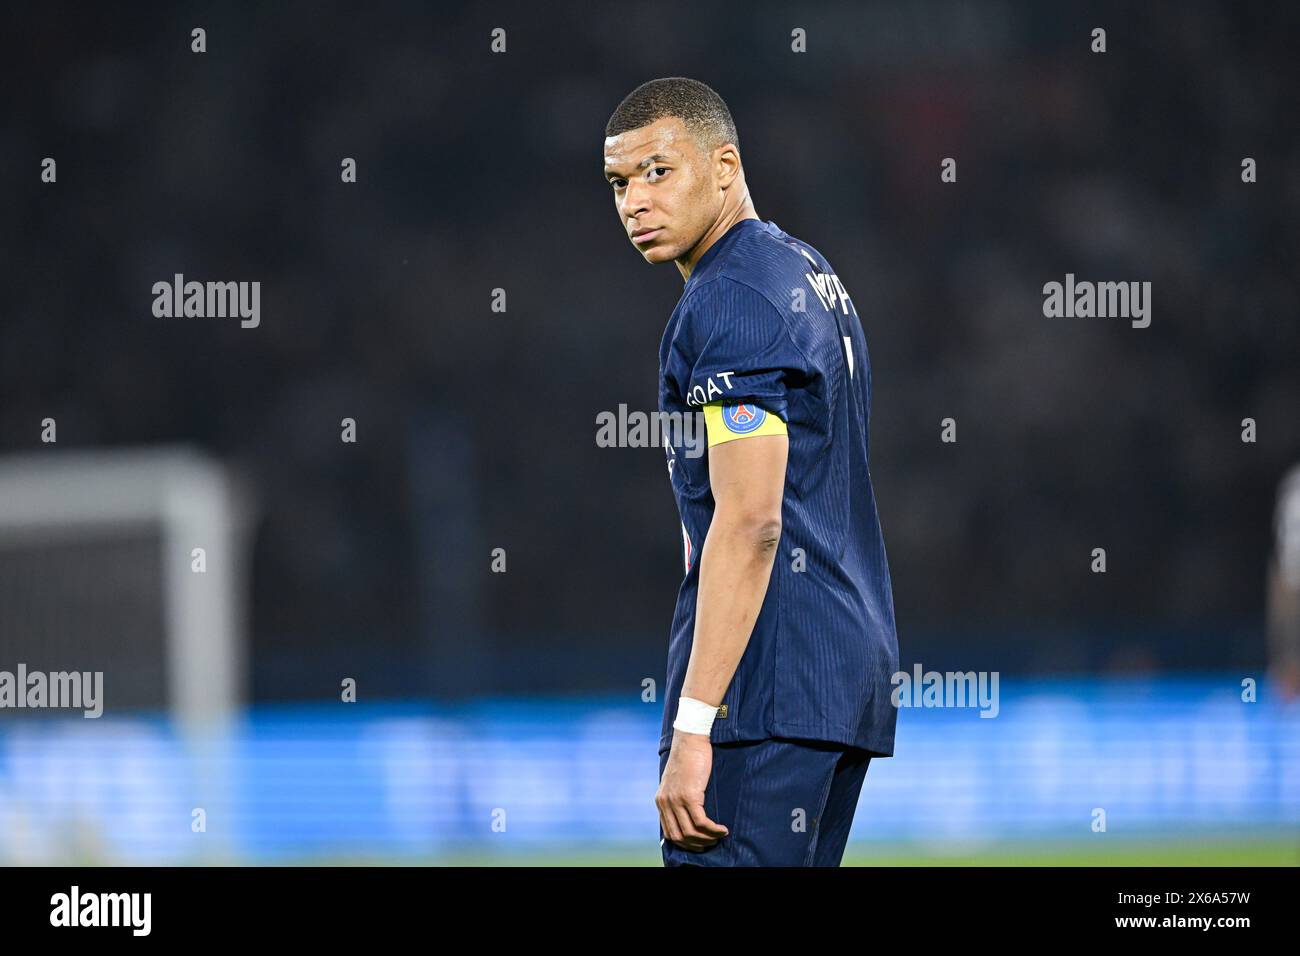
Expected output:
(680, 798)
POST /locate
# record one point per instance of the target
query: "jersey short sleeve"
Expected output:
(734, 359)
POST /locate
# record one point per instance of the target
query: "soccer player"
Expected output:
(782, 646)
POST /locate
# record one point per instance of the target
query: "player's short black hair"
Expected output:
(696, 104)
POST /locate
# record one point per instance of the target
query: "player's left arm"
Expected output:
(734, 356)
(747, 477)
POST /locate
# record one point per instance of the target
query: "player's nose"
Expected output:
(636, 200)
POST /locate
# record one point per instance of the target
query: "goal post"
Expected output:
(135, 561)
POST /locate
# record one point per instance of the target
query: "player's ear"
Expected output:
(726, 160)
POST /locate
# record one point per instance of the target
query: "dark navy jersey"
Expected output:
(765, 339)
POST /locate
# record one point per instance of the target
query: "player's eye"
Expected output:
(617, 183)
(663, 169)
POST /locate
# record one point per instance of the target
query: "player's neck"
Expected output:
(719, 229)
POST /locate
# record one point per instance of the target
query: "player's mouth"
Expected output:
(645, 235)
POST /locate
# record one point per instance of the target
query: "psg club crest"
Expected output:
(743, 419)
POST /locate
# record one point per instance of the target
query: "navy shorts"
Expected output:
(784, 803)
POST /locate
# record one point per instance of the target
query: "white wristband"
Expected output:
(694, 716)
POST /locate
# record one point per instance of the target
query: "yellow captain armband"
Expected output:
(727, 422)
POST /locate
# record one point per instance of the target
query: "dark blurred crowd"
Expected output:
(476, 428)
